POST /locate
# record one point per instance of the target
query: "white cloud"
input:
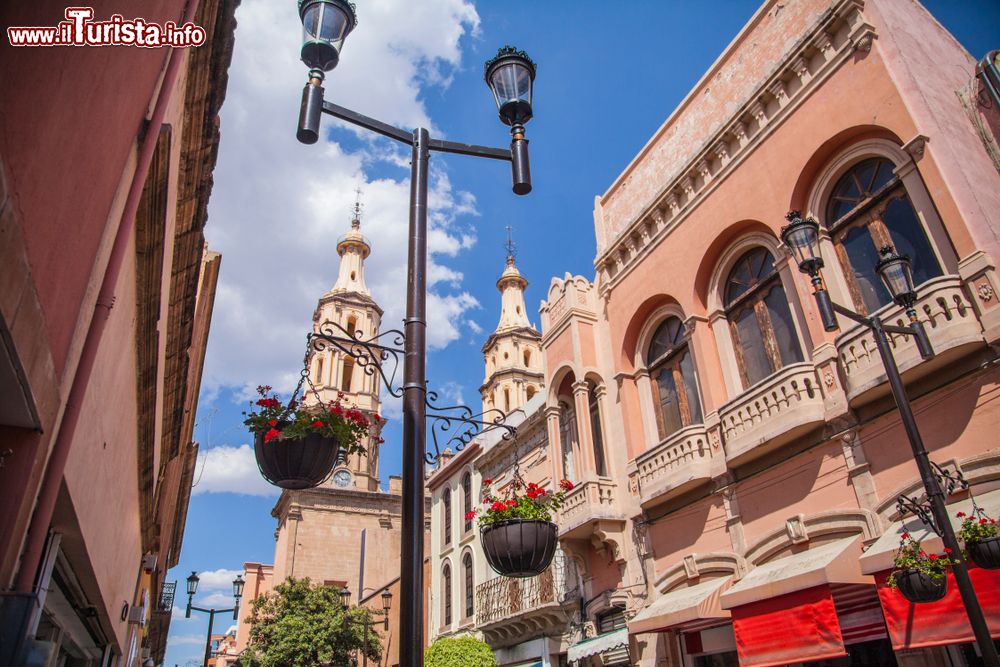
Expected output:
(278, 206)
(217, 600)
(230, 469)
(186, 640)
(214, 580)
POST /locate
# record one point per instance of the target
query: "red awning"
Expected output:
(795, 627)
(942, 622)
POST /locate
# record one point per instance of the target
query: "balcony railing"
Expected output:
(682, 460)
(949, 319)
(772, 412)
(589, 502)
(506, 600)
(166, 601)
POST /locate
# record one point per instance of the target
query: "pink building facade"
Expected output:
(106, 294)
(737, 467)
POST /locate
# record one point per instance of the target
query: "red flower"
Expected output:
(271, 435)
(541, 492)
(498, 506)
(933, 556)
(470, 515)
(486, 500)
(272, 422)
(947, 550)
(960, 515)
(905, 536)
(317, 424)
(922, 553)
(566, 485)
(532, 493)
(511, 503)
(982, 521)
(487, 481)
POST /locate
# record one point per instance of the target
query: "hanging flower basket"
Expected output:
(919, 576)
(519, 547)
(917, 586)
(297, 446)
(517, 532)
(296, 464)
(982, 542)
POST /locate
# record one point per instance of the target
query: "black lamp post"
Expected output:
(510, 76)
(345, 599)
(802, 238)
(192, 588)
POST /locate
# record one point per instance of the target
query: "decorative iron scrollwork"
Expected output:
(467, 425)
(950, 481)
(381, 354)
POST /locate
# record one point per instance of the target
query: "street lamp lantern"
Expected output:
(802, 238)
(510, 75)
(238, 586)
(386, 600)
(325, 26)
(345, 596)
(897, 274)
(192, 583)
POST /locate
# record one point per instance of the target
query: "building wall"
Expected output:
(134, 440)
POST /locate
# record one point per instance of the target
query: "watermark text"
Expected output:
(79, 29)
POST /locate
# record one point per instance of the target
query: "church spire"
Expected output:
(513, 352)
(353, 248)
(512, 284)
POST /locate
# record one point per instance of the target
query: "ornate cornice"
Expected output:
(722, 152)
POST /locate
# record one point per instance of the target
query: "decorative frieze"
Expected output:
(829, 42)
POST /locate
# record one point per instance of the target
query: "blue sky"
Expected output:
(609, 74)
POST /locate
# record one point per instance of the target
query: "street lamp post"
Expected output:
(345, 599)
(192, 588)
(510, 76)
(801, 236)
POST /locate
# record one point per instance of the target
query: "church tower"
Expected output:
(512, 353)
(349, 304)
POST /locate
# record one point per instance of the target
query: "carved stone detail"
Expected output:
(796, 529)
(691, 567)
(864, 42)
(759, 113)
(984, 290)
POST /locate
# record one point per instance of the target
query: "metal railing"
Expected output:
(505, 597)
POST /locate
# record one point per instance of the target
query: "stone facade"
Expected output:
(727, 451)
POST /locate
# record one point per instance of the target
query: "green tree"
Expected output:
(301, 624)
(459, 652)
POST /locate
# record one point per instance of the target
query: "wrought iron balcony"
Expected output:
(166, 601)
(951, 324)
(680, 462)
(512, 610)
(772, 412)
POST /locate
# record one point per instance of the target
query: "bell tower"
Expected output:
(349, 304)
(512, 353)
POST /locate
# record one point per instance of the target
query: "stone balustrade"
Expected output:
(586, 504)
(772, 412)
(680, 461)
(949, 318)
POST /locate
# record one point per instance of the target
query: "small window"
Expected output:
(446, 585)
(446, 502)
(672, 370)
(531, 392)
(345, 384)
(467, 499)
(760, 320)
(469, 585)
(527, 358)
(319, 370)
(567, 439)
(597, 433)
(352, 322)
(868, 209)
(506, 400)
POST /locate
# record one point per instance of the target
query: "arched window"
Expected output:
(671, 368)
(527, 358)
(446, 510)
(345, 384)
(531, 392)
(467, 499)
(567, 439)
(869, 209)
(446, 596)
(596, 432)
(469, 585)
(759, 317)
(319, 370)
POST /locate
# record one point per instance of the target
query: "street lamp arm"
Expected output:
(470, 149)
(212, 611)
(367, 122)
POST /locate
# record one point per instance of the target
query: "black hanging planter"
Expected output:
(985, 553)
(918, 587)
(519, 547)
(296, 464)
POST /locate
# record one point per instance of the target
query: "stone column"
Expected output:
(555, 446)
(647, 408)
(585, 440)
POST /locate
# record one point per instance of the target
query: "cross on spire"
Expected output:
(356, 219)
(510, 245)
